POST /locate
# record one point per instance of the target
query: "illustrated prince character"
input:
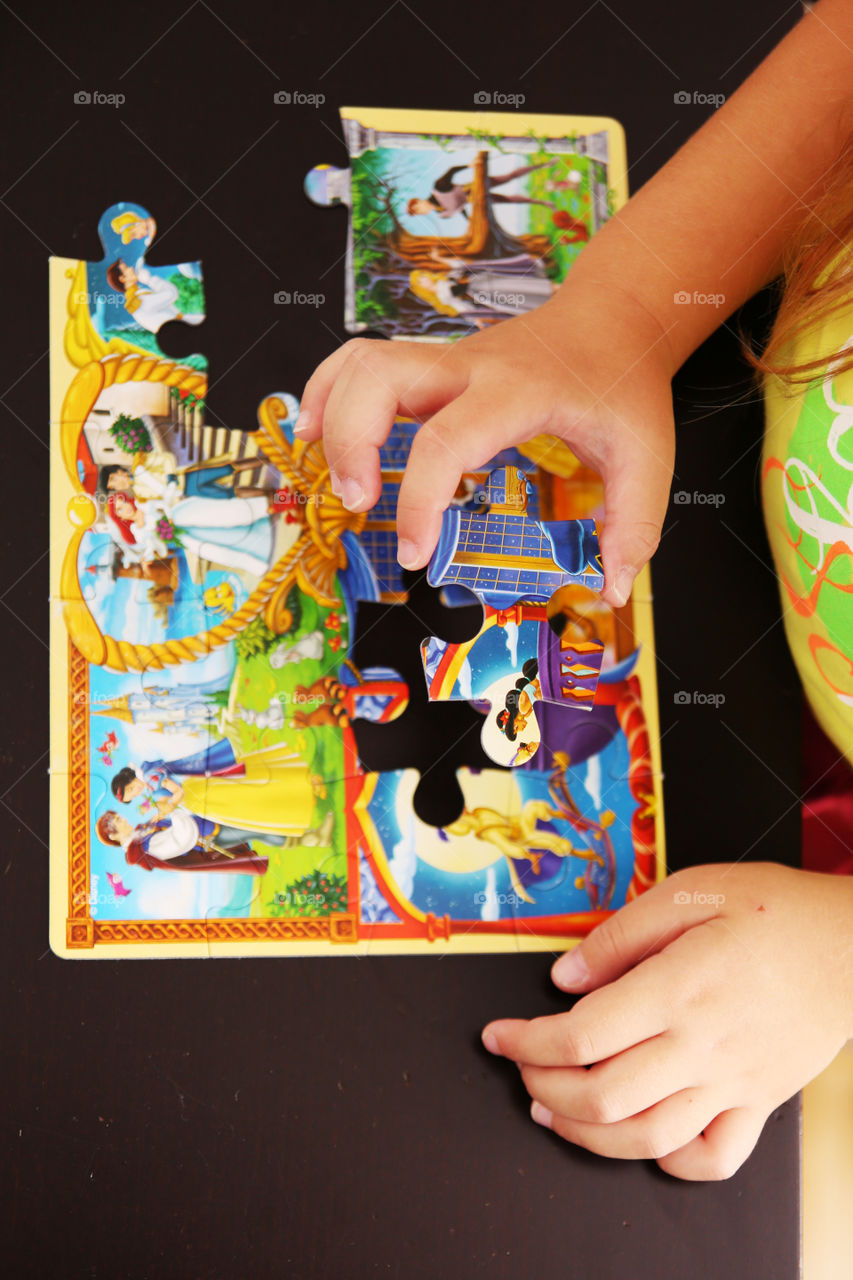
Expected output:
(448, 197)
(183, 841)
(268, 793)
(208, 823)
(232, 531)
(148, 299)
(206, 479)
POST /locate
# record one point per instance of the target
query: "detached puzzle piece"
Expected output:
(503, 555)
(458, 220)
(127, 299)
(535, 643)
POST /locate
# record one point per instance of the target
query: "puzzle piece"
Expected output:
(458, 220)
(536, 642)
(502, 554)
(128, 300)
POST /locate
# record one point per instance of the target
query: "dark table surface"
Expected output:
(339, 1118)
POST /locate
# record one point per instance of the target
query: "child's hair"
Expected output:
(817, 281)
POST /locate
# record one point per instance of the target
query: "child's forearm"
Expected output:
(715, 219)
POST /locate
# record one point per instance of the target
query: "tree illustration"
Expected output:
(385, 253)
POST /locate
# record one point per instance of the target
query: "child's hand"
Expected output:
(714, 997)
(591, 367)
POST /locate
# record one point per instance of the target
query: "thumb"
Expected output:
(641, 928)
(636, 494)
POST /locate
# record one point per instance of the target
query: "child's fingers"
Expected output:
(641, 928)
(367, 390)
(617, 1088)
(636, 492)
(721, 1148)
(312, 404)
(653, 1135)
(606, 1022)
(460, 437)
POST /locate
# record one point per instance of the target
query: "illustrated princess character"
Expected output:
(133, 226)
(513, 717)
(235, 533)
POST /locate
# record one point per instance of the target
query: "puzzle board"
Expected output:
(208, 595)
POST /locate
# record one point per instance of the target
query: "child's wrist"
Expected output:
(626, 281)
(599, 298)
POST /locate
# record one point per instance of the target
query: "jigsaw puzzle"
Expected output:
(245, 755)
(460, 219)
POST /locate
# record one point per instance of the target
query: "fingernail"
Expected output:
(490, 1042)
(541, 1115)
(621, 588)
(408, 553)
(352, 494)
(334, 483)
(571, 970)
(302, 423)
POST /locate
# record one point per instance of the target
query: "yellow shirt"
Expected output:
(807, 491)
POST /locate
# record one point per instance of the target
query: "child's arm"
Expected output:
(594, 364)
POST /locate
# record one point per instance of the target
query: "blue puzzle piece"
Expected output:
(526, 652)
(503, 555)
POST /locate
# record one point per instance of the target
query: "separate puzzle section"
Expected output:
(538, 643)
(119, 305)
(458, 221)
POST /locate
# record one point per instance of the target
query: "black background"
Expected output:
(338, 1117)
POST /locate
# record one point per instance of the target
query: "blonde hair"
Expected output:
(817, 282)
(423, 284)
